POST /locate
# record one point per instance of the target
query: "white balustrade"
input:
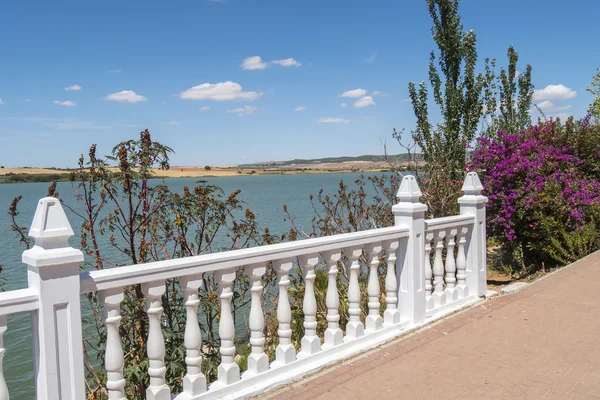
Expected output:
(3, 387)
(354, 327)
(391, 316)
(194, 381)
(155, 346)
(414, 291)
(438, 269)
(333, 334)
(374, 322)
(113, 357)
(450, 266)
(228, 371)
(311, 343)
(428, 271)
(461, 264)
(285, 352)
(257, 360)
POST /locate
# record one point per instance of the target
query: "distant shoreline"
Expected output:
(40, 175)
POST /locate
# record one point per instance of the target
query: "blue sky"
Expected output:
(158, 65)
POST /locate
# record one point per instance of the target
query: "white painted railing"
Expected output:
(416, 292)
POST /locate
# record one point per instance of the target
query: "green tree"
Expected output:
(457, 90)
(594, 89)
(507, 98)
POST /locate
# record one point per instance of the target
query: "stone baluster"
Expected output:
(355, 327)
(257, 360)
(438, 269)
(333, 334)
(428, 271)
(113, 358)
(3, 387)
(374, 321)
(461, 264)
(285, 352)
(311, 344)
(158, 388)
(450, 267)
(194, 381)
(391, 316)
(228, 371)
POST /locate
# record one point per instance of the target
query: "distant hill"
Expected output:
(301, 161)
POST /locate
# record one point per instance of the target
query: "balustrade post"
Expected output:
(155, 345)
(228, 371)
(373, 321)
(194, 381)
(257, 360)
(428, 272)
(285, 352)
(333, 334)
(113, 358)
(438, 270)
(391, 316)
(311, 343)
(450, 267)
(354, 327)
(53, 271)
(461, 264)
(410, 268)
(3, 388)
(473, 203)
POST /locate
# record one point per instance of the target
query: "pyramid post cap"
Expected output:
(472, 184)
(409, 190)
(50, 227)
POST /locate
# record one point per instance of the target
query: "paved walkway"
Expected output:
(540, 343)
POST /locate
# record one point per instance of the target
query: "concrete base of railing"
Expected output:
(298, 369)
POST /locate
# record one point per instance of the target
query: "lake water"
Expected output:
(264, 195)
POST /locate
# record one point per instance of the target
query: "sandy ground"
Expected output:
(180, 172)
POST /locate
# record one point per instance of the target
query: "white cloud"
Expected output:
(126, 96)
(66, 103)
(343, 105)
(242, 110)
(173, 122)
(300, 108)
(366, 101)
(407, 100)
(1, 102)
(26, 101)
(517, 73)
(378, 93)
(73, 87)
(554, 92)
(288, 62)
(562, 116)
(335, 120)
(354, 93)
(221, 91)
(204, 108)
(371, 58)
(547, 105)
(254, 62)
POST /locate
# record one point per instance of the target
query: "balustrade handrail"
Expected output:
(452, 221)
(21, 300)
(160, 270)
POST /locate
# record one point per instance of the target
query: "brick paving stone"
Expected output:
(539, 343)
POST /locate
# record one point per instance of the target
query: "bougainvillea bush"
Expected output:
(543, 189)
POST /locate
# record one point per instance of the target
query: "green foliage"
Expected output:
(594, 89)
(457, 92)
(507, 98)
(569, 246)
